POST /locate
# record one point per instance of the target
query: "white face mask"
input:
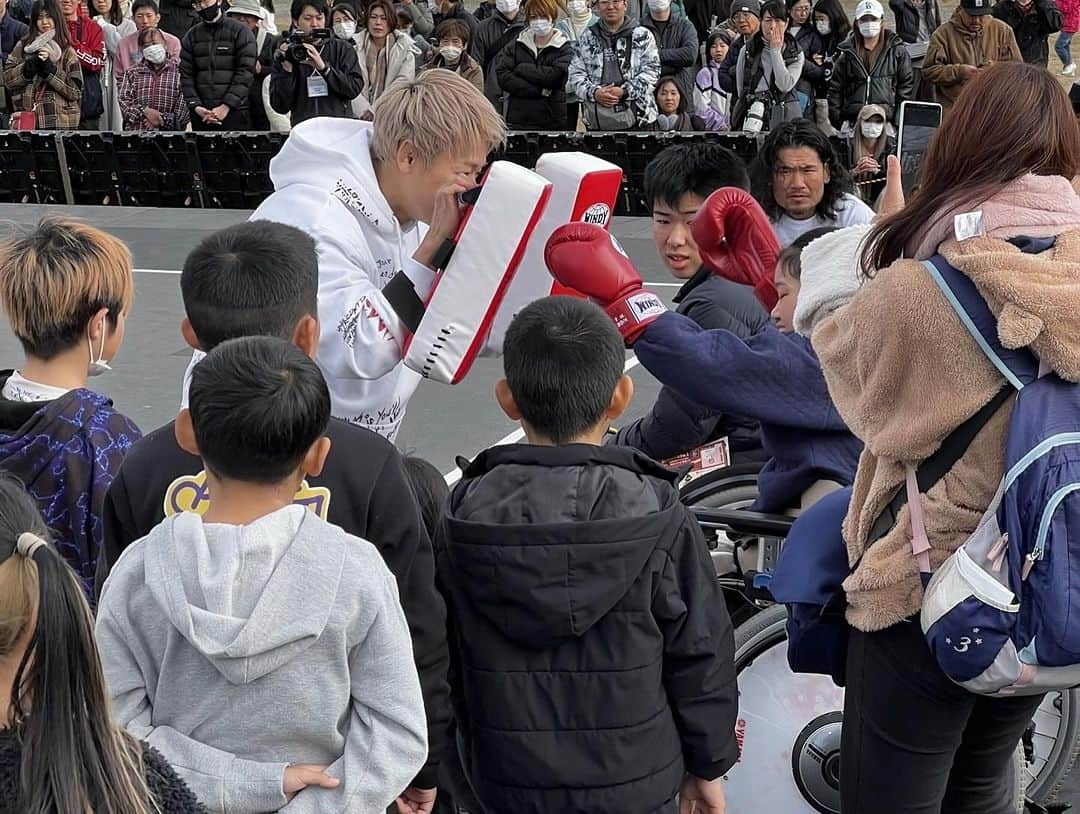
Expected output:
(823, 27)
(508, 8)
(577, 7)
(872, 129)
(345, 29)
(450, 53)
(541, 28)
(659, 5)
(870, 29)
(99, 365)
(154, 54)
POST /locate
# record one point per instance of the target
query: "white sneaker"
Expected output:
(1069, 70)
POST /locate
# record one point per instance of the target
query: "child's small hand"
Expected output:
(299, 777)
(416, 801)
(697, 796)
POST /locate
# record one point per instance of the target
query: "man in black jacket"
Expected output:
(916, 21)
(1032, 21)
(325, 83)
(492, 37)
(677, 182)
(261, 278)
(217, 62)
(677, 42)
(592, 650)
(746, 15)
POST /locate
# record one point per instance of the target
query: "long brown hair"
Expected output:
(1012, 120)
(74, 758)
(51, 9)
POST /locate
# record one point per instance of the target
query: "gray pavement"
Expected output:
(443, 421)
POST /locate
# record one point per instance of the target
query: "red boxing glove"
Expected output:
(586, 257)
(736, 241)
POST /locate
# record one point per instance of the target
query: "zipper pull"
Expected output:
(1029, 563)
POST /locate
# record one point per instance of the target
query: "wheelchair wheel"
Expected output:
(1054, 745)
(789, 730)
(732, 487)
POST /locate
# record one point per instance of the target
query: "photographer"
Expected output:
(217, 61)
(315, 73)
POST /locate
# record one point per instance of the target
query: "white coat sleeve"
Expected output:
(223, 781)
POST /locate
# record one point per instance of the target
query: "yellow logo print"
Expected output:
(189, 493)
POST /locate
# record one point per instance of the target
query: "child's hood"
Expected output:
(545, 541)
(248, 598)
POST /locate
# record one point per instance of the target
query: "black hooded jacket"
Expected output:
(592, 656)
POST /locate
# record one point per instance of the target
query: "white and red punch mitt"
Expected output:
(488, 249)
(583, 188)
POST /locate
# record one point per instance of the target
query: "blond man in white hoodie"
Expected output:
(380, 200)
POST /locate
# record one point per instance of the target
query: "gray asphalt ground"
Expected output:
(442, 422)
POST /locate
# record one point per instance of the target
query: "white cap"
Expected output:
(871, 7)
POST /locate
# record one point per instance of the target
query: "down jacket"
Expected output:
(904, 373)
(535, 82)
(640, 68)
(591, 650)
(217, 64)
(889, 83)
(400, 56)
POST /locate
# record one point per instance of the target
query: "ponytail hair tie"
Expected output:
(28, 544)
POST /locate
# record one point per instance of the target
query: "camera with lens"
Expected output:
(294, 42)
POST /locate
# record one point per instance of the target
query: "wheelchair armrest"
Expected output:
(742, 521)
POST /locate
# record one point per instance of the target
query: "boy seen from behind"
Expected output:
(260, 649)
(592, 648)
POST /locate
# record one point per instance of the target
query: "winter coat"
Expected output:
(810, 42)
(1031, 29)
(902, 395)
(399, 55)
(420, 14)
(177, 17)
(592, 651)
(457, 12)
(953, 46)
(675, 424)
(129, 52)
(344, 82)
(157, 88)
(1070, 15)
(112, 119)
(707, 15)
(769, 74)
(56, 95)
(868, 187)
(217, 64)
(166, 788)
(677, 45)
(468, 67)
(11, 31)
(492, 36)
(907, 16)
(67, 452)
(535, 83)
(159, 480)
(640, 66)
(711, 102)
(772, 377)
(259, 111)
(728, 68)
(889, 83)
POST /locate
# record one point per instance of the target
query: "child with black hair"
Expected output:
(677, 182)
(430, 489)
(593, 651)
(259, 648)
(59, 750)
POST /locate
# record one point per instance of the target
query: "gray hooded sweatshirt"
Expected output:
(237, 650)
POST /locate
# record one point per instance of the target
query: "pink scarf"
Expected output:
(1033, 205)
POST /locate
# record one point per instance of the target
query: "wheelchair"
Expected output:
(789, 723)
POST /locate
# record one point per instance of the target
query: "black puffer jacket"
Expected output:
(535, 83)
(1031, 29)
(675, 424)
(168, 790)
(592, 652)
(890, 83)
(217, 64)
(907, 18)
(811, 42)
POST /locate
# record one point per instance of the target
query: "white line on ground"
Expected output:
(454, 475)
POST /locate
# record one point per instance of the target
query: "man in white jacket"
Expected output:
(364, 192)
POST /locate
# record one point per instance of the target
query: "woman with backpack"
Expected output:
(904, 374)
